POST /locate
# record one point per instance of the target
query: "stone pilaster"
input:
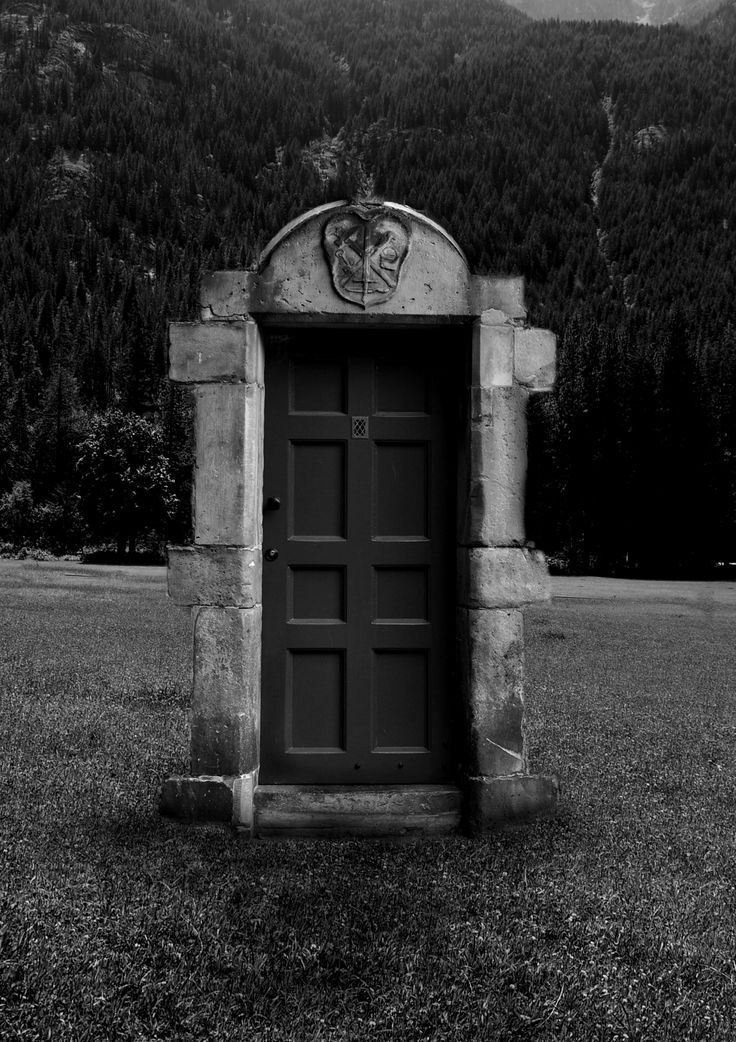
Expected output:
(497, 574)
(220, 576)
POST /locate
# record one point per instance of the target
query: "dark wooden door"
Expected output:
(358, 604)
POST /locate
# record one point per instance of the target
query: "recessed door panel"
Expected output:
(358, 576)
(401, 595)
(401, 490)
(401, 387)
(317, 496)
(317, 595)
(316, 700)
(401, 698)
(317, 386)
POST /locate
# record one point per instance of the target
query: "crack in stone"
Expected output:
(503, 749)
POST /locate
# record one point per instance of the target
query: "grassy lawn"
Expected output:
(615, 921)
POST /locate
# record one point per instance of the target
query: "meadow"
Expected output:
(615, 921)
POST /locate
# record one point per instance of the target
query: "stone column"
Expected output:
(498, 574)
(220, 576)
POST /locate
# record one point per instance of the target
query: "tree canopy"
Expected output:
(146, 142)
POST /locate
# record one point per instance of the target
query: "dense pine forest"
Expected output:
(147, 141)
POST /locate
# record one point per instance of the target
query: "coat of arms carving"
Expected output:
(366, 247)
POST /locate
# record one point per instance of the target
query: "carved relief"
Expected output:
(366, 247)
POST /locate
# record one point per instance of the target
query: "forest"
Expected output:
(144, 142)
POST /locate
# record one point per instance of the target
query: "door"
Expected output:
(359, 556)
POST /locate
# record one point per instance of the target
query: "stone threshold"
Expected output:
(356, 810)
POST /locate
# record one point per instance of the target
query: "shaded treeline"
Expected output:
(148, 141)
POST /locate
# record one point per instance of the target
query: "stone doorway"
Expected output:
(367, 271)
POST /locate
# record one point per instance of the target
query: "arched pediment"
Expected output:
(364, 257)
(361, 262)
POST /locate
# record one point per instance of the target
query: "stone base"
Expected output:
(357, 810)
(496, 803)
(210, 798)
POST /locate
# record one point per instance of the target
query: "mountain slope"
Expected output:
(146, 142)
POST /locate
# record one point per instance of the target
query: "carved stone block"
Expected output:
(492, 362)
(224, 576)
(535, 359)
(496, 803)
(228, 476)
(212, 352)
(501, 577)
(492, 667)
(492, 506)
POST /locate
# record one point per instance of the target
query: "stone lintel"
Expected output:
(496, 803)
(228, 474)
(491, 646)
(492, 358)
(501, 577)
(224, 576)
(215, 352)
(210, 798)
(535, 358)
(356, 810)
(493, 509)
(238, 294)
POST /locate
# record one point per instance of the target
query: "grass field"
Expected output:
(615, 921)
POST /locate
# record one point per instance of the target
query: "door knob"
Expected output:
(272, 553)
(273, 503)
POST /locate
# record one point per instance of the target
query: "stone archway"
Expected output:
(372, 267)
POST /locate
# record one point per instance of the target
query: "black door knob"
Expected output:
(272, 553)
(273, 503)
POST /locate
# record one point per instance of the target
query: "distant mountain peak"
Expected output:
(644, 12)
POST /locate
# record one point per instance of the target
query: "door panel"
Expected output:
(401, 484)
(316, 700)
(317, 483)
(317, 594)
(401, 699)
(359, 603)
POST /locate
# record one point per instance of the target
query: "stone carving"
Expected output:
(366, 247)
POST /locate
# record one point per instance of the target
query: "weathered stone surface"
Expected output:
(197, 799)
(225, 576)
(502, 293)
(223, 744)
(492, 671)
(295, 275)
(226, 294)
(211, 799)
(535, 358)
(228, 474)
(226, 692)
(501, 577)
(492, 354)
(244, 787)
(211, 352)
(493, 510)
(235, 294)
(493, 803)
(356, 810)
(227, 662)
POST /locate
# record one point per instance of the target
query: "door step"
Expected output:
(356, 810)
